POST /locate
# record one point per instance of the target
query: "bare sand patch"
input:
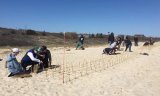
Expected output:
(88, 72)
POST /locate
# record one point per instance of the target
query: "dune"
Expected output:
(89, 73)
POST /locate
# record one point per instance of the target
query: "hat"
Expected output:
(15, 50)
(37, 48)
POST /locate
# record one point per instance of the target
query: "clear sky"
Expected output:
(83, 16)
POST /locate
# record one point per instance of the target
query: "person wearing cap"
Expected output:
(45, 56)
(12, 64)
(30, 58)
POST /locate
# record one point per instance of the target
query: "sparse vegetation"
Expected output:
(21, 37)
(31, 32)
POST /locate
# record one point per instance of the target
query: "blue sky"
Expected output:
(83, 16)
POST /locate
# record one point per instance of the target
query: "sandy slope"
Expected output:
(125, 74)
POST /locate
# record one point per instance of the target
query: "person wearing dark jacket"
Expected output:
(119, 41)
(135, 40)
(80, 42)
(81, 39)
(111, 38)
(128, 44)
(46, 57)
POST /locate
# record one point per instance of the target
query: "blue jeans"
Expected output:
(128, 46)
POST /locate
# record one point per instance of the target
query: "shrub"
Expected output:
(71, 35)
(91, 36)
(44, 34)
(5, 34)
(31, 32)
(13, 32)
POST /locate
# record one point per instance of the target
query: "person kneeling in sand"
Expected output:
(112, 49)
(12, 64)
(30, 58)
(45, 57)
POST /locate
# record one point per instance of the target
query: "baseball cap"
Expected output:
(15, 50)
(37, 48)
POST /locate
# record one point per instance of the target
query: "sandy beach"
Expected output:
(89, 73)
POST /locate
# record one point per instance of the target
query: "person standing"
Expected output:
(135, 40)
(119, 41)
(128, 44)
(111, 38)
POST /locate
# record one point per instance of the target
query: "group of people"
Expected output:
(38, 55)
(41, 56)
(115, 43)
(149, 42)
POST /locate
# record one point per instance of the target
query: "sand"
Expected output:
(89, 73)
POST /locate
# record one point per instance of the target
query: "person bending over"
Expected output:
(30, 58)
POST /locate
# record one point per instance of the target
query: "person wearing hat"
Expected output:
(12, 64)
(30, 58)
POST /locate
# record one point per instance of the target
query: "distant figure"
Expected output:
(114, 47)
(80, 43)
(107, 51)
(123, 40)
(111, 38)
(30, 58)
(46, 57)
(12, 64)
(1, 59)
(151, 41)
(119, 41)
(81, 39)
(135, 40)
(147, 43)
(128, 44)
(111, 49)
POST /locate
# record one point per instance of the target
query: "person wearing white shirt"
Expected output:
(113, 47)
(30, 58)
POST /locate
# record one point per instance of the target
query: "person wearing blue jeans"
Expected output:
(128, 44)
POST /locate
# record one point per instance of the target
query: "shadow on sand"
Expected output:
(46, 69)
